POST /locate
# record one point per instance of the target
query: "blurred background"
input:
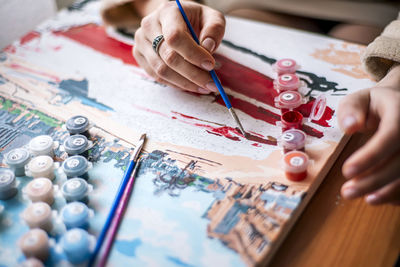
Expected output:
(18, 17)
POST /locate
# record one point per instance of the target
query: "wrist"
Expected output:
(392, 77)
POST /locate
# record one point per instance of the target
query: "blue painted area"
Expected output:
(178, 261)
(231, 218)
(128, 247)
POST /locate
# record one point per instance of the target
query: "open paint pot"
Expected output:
(78, 125)
(8, 184)
(77, 145)
(35, 244)
(76, 166)
(318, 108)
(16, 159)
(41, 166)
(295, 165)
(77, 245)
(293, 139)
(38, 215)
(291, 120)
(42, 145)
(285, 65)
(288, 100)
(75, 189)
(40, 190)
(75, 215)
(287, 82)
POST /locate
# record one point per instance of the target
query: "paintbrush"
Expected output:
(213, 74)
(123, 193)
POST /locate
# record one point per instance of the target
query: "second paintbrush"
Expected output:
(213, 74)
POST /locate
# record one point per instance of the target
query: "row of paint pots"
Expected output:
(293, 139)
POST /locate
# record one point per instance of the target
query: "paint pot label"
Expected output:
(38, 184)
(288, 96)
(286, 78)
(288, 137)
(31, 240)
(41, 163)
(80, 120)
(39, 210)
(286, 63)
(5, 178)
(76, 208)
(73, 163)
(296, 161)
(78, 141)
(74, 236)
(15, 155)
(73, 185)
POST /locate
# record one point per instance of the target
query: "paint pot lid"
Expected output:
(76, 144)
(288, 81)
(318, 108)
(77, 124)
(17, 158)
(76, 241)
(34, 239)
(7, 179)
(39, 187)
(295, 162)
(75, 214)
(37, 213)
(75, 189)
(41, 164)
(289, 99)
(293, 139)
(41, 145)
(286, 65)
(75, 166)
(31, 262)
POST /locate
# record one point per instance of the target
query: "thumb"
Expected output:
(353, 110)
(213, 29)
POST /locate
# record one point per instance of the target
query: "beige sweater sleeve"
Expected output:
(119, 13)
(383, 52)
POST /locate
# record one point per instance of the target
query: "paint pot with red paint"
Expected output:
(288, 100)
(287, 82)
(295, 165)
(292, 139)
(291, 119)
(285, 65)
(318, 108)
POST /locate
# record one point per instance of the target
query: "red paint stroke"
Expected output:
(29, 37)
(95, 37)
(19, 67)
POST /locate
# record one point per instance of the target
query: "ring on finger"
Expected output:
(157, 42)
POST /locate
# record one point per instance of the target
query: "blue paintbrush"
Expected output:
(213, 74)
(127, 176)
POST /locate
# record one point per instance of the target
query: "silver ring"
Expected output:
(157, 42)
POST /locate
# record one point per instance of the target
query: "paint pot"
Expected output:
(35, 244)
(17, 159)
(40, 190)
(42, 145)
(285, 65)
(75, 215)
(293, 139)
(77, 245)
(318, 108)
(38, 215)
(76, 166)
(41, 166)
(291, 120)
(77, 145)
(288, 100)
(295, 165)
(31, 262)
(76, 189)
(78, 125)
(8, 184)
(287, 82)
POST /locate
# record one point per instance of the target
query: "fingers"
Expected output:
(364, 185)
(384, 143)
(388, 194)
(213, 29)
(180, 40)
(353, 110)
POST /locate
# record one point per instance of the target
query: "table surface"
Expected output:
(336, 232)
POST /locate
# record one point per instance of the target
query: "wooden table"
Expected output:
(337, 232)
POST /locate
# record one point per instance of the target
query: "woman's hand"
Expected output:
(374, 170)
(181, 62)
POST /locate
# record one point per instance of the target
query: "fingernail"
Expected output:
(349, 122)
(203, 91)
(371, 199)
(209, 44)
(349, 172)
(211, 86)
(207, 65)
(349, 192)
